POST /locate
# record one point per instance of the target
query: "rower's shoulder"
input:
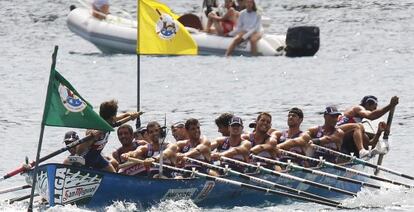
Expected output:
(221, 139)
(313, 129)
(246, 135)
(141, 142)
(182, 143)
(246, 142)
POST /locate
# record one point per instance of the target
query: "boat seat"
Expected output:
(190, 20)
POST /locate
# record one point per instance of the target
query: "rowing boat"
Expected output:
(66, 184)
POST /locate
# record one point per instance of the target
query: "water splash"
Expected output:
(176, 206)
(395, 198)
(120, 206)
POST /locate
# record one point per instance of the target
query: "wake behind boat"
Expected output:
(118, 35)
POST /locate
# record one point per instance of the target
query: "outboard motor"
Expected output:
(302, 41)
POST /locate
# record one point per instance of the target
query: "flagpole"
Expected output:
(138, 122)
(42, 128)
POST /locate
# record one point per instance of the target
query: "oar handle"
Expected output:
(389, 122)
(385, 136)
(14, 172)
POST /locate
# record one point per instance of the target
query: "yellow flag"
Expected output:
(159, 32)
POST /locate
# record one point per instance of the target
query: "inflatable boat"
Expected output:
(118, 35)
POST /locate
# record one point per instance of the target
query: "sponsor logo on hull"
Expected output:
(74, 185)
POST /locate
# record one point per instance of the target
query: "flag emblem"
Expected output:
(71, 102)
(160, 32)
(166, 26)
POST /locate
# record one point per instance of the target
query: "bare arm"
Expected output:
(217, 142)
(230, 12)
(336, 138)
(170, 153)
(301, 141)
(201, 149)
(125, 117)
(139, 153)
(372, 115)
(269, 146)
(116, 156)
(243, 149)
(84, 147)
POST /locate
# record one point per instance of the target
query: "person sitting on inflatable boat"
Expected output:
(224, 19)
(100, 8)
(249, 27)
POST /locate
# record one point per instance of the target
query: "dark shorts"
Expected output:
(95, 160)
(348, 144)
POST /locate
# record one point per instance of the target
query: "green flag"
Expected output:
(64, 107)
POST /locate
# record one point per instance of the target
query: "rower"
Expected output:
(295, 118)
(126, 138)
(366, 109)
(196, 146)
(260, 134)
(268, 150)
(141, 134)
(91, 150)
(327, 135)
(233, 146)
(178, 131)
(262, 143)
(72, 159)
(222, 123)
(148, 152)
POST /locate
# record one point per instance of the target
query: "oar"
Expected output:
(17, 188)
(291, 177)
(385, 136)
(335, 166)
(247, 186)
(16, 199)
(262, 181)
(53, 154)
(366, 163)
(316, 172)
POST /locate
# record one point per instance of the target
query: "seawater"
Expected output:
(366, 48)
